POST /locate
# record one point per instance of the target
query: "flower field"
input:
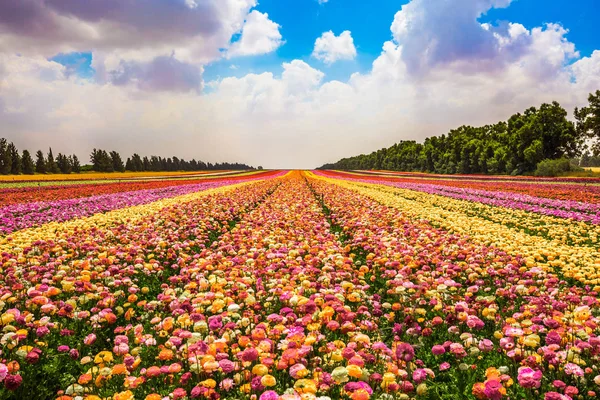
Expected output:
(301, 285)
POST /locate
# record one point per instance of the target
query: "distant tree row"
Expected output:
(13, 162)
(516, 146)
(104, 161)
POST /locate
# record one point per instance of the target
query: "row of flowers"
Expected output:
(573, 190)
(26, 215)
(68, 304)
(44, 191)
(551, 244)
(489, 325)
(570, 209)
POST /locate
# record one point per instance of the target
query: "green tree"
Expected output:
(27, 162)
(101, 161)
(75, 164)
(588, 121)
(117, 162)
(5, 157)
(16, 166)
(40, 162)
(64, 163)
(51, 165)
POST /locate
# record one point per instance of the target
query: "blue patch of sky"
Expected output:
(578, 16)
(76, 63)
(303, 21)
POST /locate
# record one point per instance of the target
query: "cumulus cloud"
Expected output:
(161, 74)
(259, 35)
(330, 48)
(434, 32)
(148, 39)
(297, 118)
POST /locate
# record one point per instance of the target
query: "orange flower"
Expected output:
(110, 318)
(84, 379)
(153, 371)
(153, 396)
(119, 369)
(127, 395)
(360, 394)
(165, 354)
(174, 368)
(479, 390)
(13, 367)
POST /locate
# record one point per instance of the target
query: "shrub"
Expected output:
(555, 167)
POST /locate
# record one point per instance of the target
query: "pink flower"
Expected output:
(179, 393)
(405, 352)
(492, 389)
(89, 339)
(226, 384)
(528, 378)
(3, 371)
(556, 396)
(226, 365)
(419, 375)
(12, 382)
(249, 355)
(438, 350)
(269, 395)
(573, 369)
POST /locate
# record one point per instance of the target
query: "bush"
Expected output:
(555, 167)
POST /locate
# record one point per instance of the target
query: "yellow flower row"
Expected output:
(571, 261)
(17, 241)
(110, 175)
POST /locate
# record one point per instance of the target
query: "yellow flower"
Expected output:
(103, 357)
(354, 371)
(305, 386)
(268, 380)
(126, 395)
(260, 369)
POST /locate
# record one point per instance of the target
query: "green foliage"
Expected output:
(5, 157)
(40, 163)
(512, 147)
(556, 167)
(51, 165)
(588, 121)
(27, 163)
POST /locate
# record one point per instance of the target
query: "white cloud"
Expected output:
(140, 46)
(259, 35)
(330, 48)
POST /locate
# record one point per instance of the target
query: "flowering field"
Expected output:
(301, 285)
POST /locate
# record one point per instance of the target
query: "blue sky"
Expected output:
(303, 21)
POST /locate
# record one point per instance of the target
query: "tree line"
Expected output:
(514, 147)
(13, 162)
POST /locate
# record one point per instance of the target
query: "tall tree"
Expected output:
(75, 163)
(5, 157)
(588, 121)
(51, 165)
(17, 166)
(101, 161)
(40, 162)
(117, 162)
(64, 163)
(27, 162)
